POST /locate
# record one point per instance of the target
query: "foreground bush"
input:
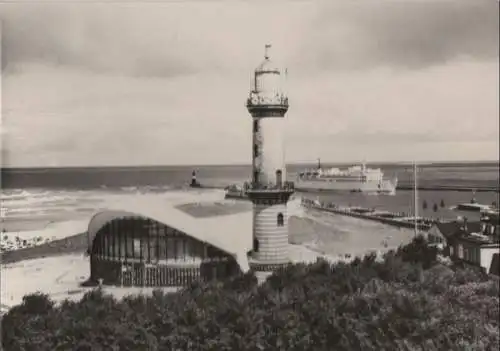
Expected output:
(407, 301)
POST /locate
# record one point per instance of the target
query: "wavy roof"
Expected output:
(229, 233)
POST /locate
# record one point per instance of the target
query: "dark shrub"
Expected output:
(418, 251)
(406, 301)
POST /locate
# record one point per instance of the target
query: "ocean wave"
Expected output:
(9, 212)
(147, 189)
(20, 194)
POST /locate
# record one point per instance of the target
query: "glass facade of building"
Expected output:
(137, 251)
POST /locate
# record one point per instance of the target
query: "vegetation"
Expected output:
(406, 301)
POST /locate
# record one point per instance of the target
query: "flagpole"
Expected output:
(415, 196)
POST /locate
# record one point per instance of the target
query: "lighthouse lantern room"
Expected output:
(269, 191)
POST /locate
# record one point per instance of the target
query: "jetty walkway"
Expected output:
(398, 219)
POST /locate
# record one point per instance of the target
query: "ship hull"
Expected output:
(385, 187)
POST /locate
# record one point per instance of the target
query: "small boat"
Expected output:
(473, 206)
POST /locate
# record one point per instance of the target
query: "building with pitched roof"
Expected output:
(477, 243)
(473, 243)
(441, 235)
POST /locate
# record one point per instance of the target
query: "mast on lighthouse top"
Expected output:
(267, 66)
(267, 93)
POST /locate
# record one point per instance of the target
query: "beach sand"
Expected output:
(57, 276)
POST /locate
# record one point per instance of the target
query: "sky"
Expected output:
(101, 83)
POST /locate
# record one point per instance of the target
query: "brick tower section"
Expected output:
(269, 191)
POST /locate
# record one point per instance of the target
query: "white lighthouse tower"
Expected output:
(269, 191)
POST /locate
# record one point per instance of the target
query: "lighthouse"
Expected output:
(269, 191)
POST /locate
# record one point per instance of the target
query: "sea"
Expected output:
(56, 201)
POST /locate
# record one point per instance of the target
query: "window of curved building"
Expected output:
(280, 220)
(180, 250)
(137, 248)
(138, 239)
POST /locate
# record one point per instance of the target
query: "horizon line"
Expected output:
(295, 163)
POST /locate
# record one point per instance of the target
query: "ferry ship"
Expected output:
(357, 178)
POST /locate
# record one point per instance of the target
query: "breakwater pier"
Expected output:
(480, 189)
(397, 219)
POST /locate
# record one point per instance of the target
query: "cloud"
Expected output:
(185, 38)
(457, 101)
(409, 34)
(149, 40)
(101, 84)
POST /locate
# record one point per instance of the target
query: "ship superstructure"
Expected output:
(358, 178)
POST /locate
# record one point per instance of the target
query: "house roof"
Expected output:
(472, 227)
(455, 229)
(487, 241)
(448, 229)
(229, 233)
(478, 233)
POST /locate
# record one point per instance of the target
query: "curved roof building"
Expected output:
(153, 244)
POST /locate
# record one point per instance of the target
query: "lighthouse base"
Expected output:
(264, 270)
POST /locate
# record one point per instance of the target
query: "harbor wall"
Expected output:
(424, 224)
(449, 188)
